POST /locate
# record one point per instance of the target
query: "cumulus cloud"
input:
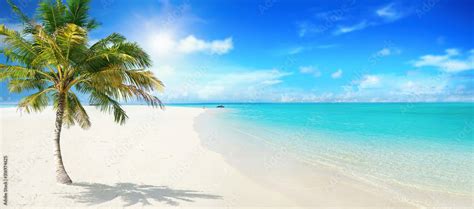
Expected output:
(239, 84)
(192, 44)
(369, 81)
(162, 44)
(408, 88)
(231, 84)
(450, 62)
(336, 74)
(310, 70)
(413, 87)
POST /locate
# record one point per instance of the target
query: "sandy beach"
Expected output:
(156, 159)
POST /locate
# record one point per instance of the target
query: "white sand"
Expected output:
(155, 159)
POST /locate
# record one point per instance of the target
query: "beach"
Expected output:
(159, 158)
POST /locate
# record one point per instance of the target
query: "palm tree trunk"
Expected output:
(61, 174)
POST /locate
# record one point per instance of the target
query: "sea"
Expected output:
(426, 146)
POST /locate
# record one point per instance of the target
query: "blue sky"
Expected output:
(296, 51)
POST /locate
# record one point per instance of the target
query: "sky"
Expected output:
(294, 51)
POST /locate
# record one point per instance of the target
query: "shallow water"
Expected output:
(426, 146)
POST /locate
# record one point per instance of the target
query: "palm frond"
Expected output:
(74, 112)
(35, 102)
(52, 15)
(69, 37)
(112, 38)
(116, 50)
(17, 45)
(49, 50)
(20, 85)
(140, 94)
(145, 80)
(77, 14)
(107, 104)
(27, 22)
(19, 72)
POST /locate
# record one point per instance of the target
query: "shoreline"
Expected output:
(311, 186)
(164, 158)
(391, 190)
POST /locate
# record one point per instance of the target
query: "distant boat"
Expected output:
(220, 106)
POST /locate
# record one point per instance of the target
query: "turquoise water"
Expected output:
(425, 146)
(7, 105)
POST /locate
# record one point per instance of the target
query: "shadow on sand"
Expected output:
(132, 194)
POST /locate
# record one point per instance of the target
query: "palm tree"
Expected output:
(54, 60)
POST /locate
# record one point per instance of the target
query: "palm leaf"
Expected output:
(74, 112)
(77, 14)
(27, 22)
(35, 102)
(52, 15)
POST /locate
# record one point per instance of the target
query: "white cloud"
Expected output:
(222, 83)
(409, 88)
(159, 43)
(422, 87)
(310, 70)
(337, 74)
(163, 44)
(264, 85)
(384, 52)
(388, 12)
(192, 44)
(164, 71)
(306, 69)
(417, 86)
(348, 29)
(448, 62)
(452, 52)
(369, 81)
(168, 36)
(238, 85)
